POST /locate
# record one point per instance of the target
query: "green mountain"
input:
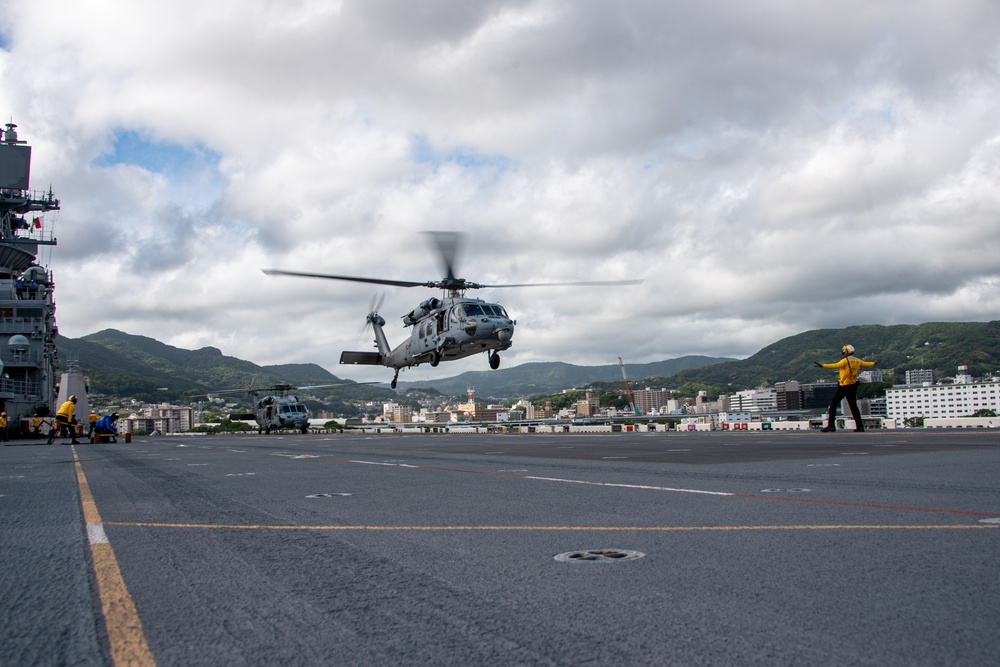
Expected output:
(121, 364)
(536, 378)
(940, 346)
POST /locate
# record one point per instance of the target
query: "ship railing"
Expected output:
(32, 234)
(20, 325)
(14, 358)
(19, 389)
(30, 200)
(10, 292)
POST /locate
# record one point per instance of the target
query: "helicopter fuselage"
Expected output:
(441, 330)
(277, 413)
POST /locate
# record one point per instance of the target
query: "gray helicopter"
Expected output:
(443, 329)
(277, 410)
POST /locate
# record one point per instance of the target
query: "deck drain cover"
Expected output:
(598, 556)
(328, 495)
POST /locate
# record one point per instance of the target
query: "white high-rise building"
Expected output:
(754, 400)
(948, 400)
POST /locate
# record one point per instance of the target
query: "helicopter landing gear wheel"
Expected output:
(435, 359)
(267, 431)
(495, 361)
(395, 379)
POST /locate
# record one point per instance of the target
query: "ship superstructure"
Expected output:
(27, 307)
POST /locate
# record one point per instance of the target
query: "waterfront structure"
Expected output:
(27, 305)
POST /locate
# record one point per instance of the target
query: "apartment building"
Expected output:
(163, 418)
(948, 400)
(754, 400)
(588, 407)
(920, 376)
(650, 401)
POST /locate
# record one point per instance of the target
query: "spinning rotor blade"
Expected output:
(338, 384)
(447, 246)
(585, 283)
(357, 279)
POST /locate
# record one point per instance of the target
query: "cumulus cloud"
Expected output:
(766, 168)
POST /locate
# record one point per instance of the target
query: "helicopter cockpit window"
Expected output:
(456, 314)
(473, 310)
(496, 310)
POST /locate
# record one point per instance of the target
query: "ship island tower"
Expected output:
(27, 309)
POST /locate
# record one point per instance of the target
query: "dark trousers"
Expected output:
(63, 428)
(850, 392)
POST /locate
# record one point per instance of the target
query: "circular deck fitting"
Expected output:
(598, 556)
(327, 495)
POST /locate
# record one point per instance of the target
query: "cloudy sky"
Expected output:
(766, 167)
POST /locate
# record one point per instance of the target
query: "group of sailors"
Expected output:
(24, 290)
(64, 424)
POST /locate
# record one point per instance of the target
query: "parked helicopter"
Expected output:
(276, 411)
(444, 329)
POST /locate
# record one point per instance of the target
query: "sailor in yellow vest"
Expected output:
(849, 368)
(3, 427)
(93, 422)
(63, 422)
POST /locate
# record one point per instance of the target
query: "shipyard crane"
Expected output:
(628, 390)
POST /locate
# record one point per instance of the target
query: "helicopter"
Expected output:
(276, 411)
(448, 328)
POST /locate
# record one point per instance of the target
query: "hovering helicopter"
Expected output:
(443, 329)
(276, 411)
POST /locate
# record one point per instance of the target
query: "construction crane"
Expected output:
(628, 390)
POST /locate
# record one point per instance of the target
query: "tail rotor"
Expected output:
(373, 307)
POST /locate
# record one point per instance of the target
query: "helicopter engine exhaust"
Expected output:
(421, 311)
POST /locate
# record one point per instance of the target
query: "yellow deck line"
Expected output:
(125, 635)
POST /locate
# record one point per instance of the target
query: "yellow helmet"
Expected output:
(847, 350)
